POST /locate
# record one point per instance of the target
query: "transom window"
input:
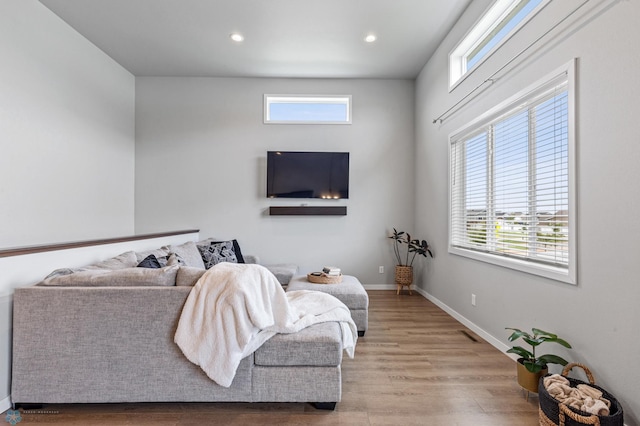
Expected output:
(511, 183)
(299, 109)
(498, 24)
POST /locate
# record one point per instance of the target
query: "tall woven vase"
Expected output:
(404, 277)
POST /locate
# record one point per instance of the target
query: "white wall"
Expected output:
(67, 140)
(599, 316)
(66, 144)
(201, 162)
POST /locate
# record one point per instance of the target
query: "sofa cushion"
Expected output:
(189, 253)
(217, 252)
(317, 345)
(188, 276)
(251, 258)
(133, 277)
(283, 271)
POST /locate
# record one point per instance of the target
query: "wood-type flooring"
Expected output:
(416, 365)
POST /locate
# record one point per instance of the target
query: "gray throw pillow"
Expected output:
(128, 277)
(125, 260)
(175, 259)
(61, 272)
(189, 253)
(158, 253)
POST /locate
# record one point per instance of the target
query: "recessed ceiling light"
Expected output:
(237, 37)
(370, 38)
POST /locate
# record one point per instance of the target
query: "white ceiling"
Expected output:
(283, 38)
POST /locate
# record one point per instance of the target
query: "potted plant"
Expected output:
(406, 250)
(531, 367)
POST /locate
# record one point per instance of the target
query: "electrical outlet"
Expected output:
(473, 299)
(381, 269)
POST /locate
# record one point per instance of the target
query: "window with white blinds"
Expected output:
(511, 182)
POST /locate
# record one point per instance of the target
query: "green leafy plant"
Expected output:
(532, 362)
(406, 256)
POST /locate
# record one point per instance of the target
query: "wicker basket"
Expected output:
(554, 413)
(324, 279)
(404, 275)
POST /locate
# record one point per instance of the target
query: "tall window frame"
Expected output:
(499, 23)
(535, 241)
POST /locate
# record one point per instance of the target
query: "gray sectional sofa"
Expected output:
(112, 340)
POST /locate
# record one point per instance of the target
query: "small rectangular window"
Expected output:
(497, 25)
(299, 109)
(512, 201)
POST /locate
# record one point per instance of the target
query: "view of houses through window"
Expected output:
(510, 177)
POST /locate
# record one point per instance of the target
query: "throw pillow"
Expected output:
(61, 272)
(133, 277)
(121, 261)
(150, 262)
(236, 247)
(216, 253)
(175, 259)
(189, 253)
(164, 261)
(236, 250)
(158, 253)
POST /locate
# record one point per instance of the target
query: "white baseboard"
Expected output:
(467, 323)
(470, 325)
(479, 331)
(5, 404)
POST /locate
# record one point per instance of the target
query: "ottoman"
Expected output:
(349, 291)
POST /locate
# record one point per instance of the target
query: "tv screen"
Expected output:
(307, 174)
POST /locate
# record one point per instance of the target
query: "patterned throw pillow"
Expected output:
(217, 252)
(236, 249)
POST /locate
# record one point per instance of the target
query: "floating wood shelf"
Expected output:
(308, 211)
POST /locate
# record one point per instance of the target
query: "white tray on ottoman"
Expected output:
(350, 292)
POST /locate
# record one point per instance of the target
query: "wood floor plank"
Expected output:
(416, 365)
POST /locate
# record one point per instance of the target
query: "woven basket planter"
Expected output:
(554, 413)
(404, 275)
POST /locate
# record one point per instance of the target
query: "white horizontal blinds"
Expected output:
(551, 190)
(510, 180)
(511, 165)
(473, 227)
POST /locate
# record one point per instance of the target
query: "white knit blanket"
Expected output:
(234, 308)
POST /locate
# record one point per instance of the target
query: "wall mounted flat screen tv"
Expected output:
(295, 174)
